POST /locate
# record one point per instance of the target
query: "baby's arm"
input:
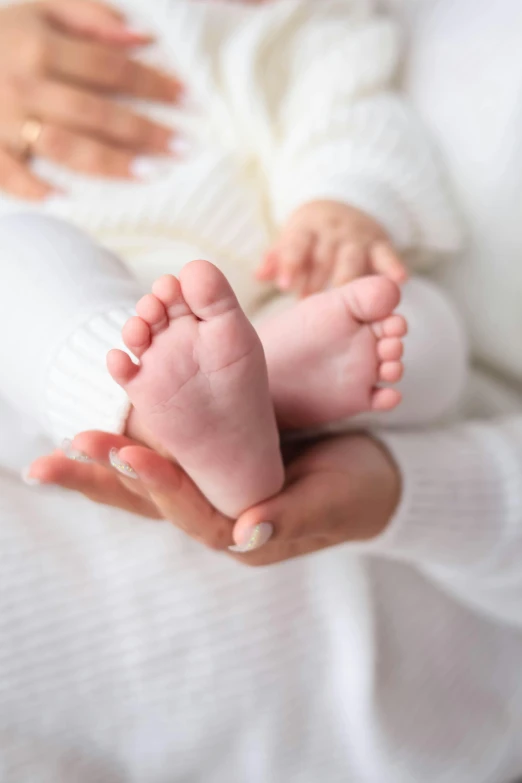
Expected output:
(63, 301)
(354, 170)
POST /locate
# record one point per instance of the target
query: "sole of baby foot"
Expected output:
(201, 388)
(327, 355)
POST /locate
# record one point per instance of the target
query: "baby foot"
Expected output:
(327, 354)
(202, 388)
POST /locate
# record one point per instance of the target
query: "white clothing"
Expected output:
(130, 654)
(331, 127)
(291, 101)
(80, 296)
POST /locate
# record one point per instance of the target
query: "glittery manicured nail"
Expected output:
(74, 454)
(29, 480)
(254, 538)
(121, 466)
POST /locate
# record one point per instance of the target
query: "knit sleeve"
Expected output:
(460, 518)
(346, 135)
(63, 302)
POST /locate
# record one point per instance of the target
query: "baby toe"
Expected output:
(390, 349)
(136, 335)
(153, 312)
(121, 367)
(167, 290)
(206, 291)
(390, 372)
(394, 326)
(385, 399)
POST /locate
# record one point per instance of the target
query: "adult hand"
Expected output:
(342, 489)
(61, 61)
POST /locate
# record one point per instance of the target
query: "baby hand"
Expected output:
(326, 243)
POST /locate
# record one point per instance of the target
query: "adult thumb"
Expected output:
(297, 513)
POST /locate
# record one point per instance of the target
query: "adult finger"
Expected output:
(97, 445)
(86, 112)
(95, 482)
(330, 493)
(78, 12)
(143, 81)
(176, 496)
(101, 447)
(107, 67)
(93, 19)
(83, 153)
(295, 514)
(278, 551)
(17, 179)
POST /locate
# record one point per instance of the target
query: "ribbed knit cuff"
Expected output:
(461, 496)
(80, 394)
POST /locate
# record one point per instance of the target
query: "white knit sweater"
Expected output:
(291, 101)
(128, 653)
(287, 102)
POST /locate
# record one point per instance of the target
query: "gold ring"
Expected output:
(29, 135)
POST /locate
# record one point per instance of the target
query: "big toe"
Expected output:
(206, 290)
(372, 298)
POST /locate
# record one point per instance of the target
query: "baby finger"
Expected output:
(320, 268)
(294, 258)
(385, 260)
(351, 262)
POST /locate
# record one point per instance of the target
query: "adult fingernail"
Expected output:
(121, 466)
(284, 282)
(147, 168)
(254, 538)
(179, 145)
(74, 454)
(31, 481)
